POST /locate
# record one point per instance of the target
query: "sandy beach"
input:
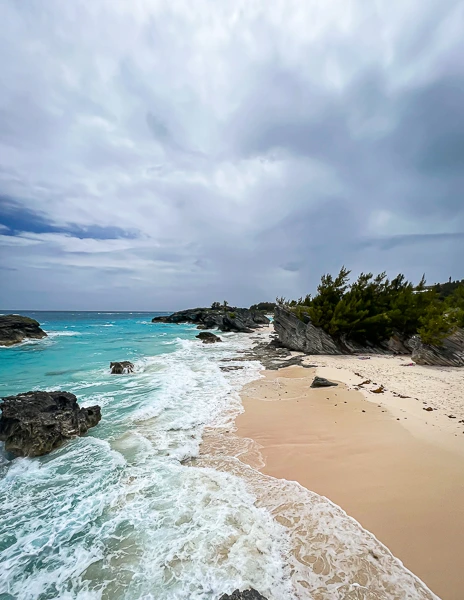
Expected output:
(396, 468)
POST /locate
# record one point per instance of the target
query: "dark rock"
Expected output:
(319, 382)
(398, 344)
(379, 390)
(449, 354)
(201, 327)
(163, 319)
(121, 368)
(305, 337)
(208, 338)
(35, 423)
(250, 594)
(428, 409)
(224, 319)
(16, 328)
(273, 356)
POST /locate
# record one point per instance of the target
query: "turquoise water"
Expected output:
(116, 514)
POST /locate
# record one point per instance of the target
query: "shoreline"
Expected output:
(394, 468)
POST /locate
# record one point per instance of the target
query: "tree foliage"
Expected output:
(266, 306)
(373, 308)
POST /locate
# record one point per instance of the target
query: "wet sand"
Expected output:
(407, 490)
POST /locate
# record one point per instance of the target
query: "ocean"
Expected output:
(125, 513)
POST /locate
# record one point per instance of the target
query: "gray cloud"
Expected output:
(179, 155)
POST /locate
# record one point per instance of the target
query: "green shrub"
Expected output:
(372, 308)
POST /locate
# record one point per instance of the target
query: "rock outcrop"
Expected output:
(121, 368)
(35, 423)
(306, 337)
(303, 337)
(250, 594)
(321, 382)
(229, 319)
(16, 328)
(208, 338)
(449, 354)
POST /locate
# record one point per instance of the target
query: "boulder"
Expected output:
(208, 338)
(35, 423)
(225, 319)
(449, 354)
(319, 382)
(121, 368)
(16, 328)
(250, 594)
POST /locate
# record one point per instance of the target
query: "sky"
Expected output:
(158, 155)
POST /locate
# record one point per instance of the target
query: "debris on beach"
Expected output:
(379, 390)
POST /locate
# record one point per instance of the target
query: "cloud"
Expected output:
(17, 219)
(181, 153)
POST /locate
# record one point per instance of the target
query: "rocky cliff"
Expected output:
(449, 354)
(230, 319)
(305, 337)
(15, 329)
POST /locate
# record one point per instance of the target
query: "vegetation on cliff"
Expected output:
(373, 308)
(265, 306)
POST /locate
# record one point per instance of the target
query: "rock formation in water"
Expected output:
(208, 338)
(449, 354)
(250, 594)
(122, 367)
(224, 319)
(16, 328)
(35, 423)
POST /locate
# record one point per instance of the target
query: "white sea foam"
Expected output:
(53, 334)
(123, 519)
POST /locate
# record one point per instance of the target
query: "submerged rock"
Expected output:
(35, 423)
(208, 338)
(449, 354)
(121, 368)
(225, 319)
(250, 594)
(319, 382)
(14, 329)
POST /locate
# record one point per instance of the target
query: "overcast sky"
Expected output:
(163, 154)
